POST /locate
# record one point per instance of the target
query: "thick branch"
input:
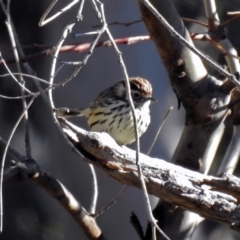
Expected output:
(211, 197)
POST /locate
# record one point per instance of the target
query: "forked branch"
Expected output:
(29, 169)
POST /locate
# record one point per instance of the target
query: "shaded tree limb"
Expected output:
(29, 169)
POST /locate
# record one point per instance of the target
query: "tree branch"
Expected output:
(77, 47)
(211, 197)
(29, 169)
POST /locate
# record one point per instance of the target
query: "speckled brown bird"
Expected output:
(110, 112)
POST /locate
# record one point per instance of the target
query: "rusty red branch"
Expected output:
(78, 47)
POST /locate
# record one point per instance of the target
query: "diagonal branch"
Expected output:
(29, 169)
(211, 197)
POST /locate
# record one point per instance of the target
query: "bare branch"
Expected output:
(4, 158)
(79, 48)
(212, 63)
(93, 203)
(159, 129)
(43, 21)
(114, 200)
(29, 169)
(24, 104)
(174, 184)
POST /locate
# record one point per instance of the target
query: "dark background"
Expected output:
(30, 213)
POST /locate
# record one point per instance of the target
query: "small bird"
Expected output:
(110, 112)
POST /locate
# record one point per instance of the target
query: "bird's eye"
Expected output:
(136, 94)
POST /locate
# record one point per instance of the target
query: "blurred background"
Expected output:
(30, 213)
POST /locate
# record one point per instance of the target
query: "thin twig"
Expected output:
(93, 204)
(207, 37)
(28, 76)
(230, 20)
(76, 35)
(175, 34)
(24, 104)
(234, 13)
(76, 71)
(42, 19)
(194, 21)
(52, 4)
(65, 33)
(84, 62)
(9, 71)
(26, 65)
(76, 63)
(79, 48)
(4, 158)
(40, 93)
(159, 129)
(24, 115)
(16, 97)
(127, 24)
(13, 150)
(105, 208)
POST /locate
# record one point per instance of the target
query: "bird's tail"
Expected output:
(68, 113)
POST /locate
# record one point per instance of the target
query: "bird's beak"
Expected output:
(152, 99)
